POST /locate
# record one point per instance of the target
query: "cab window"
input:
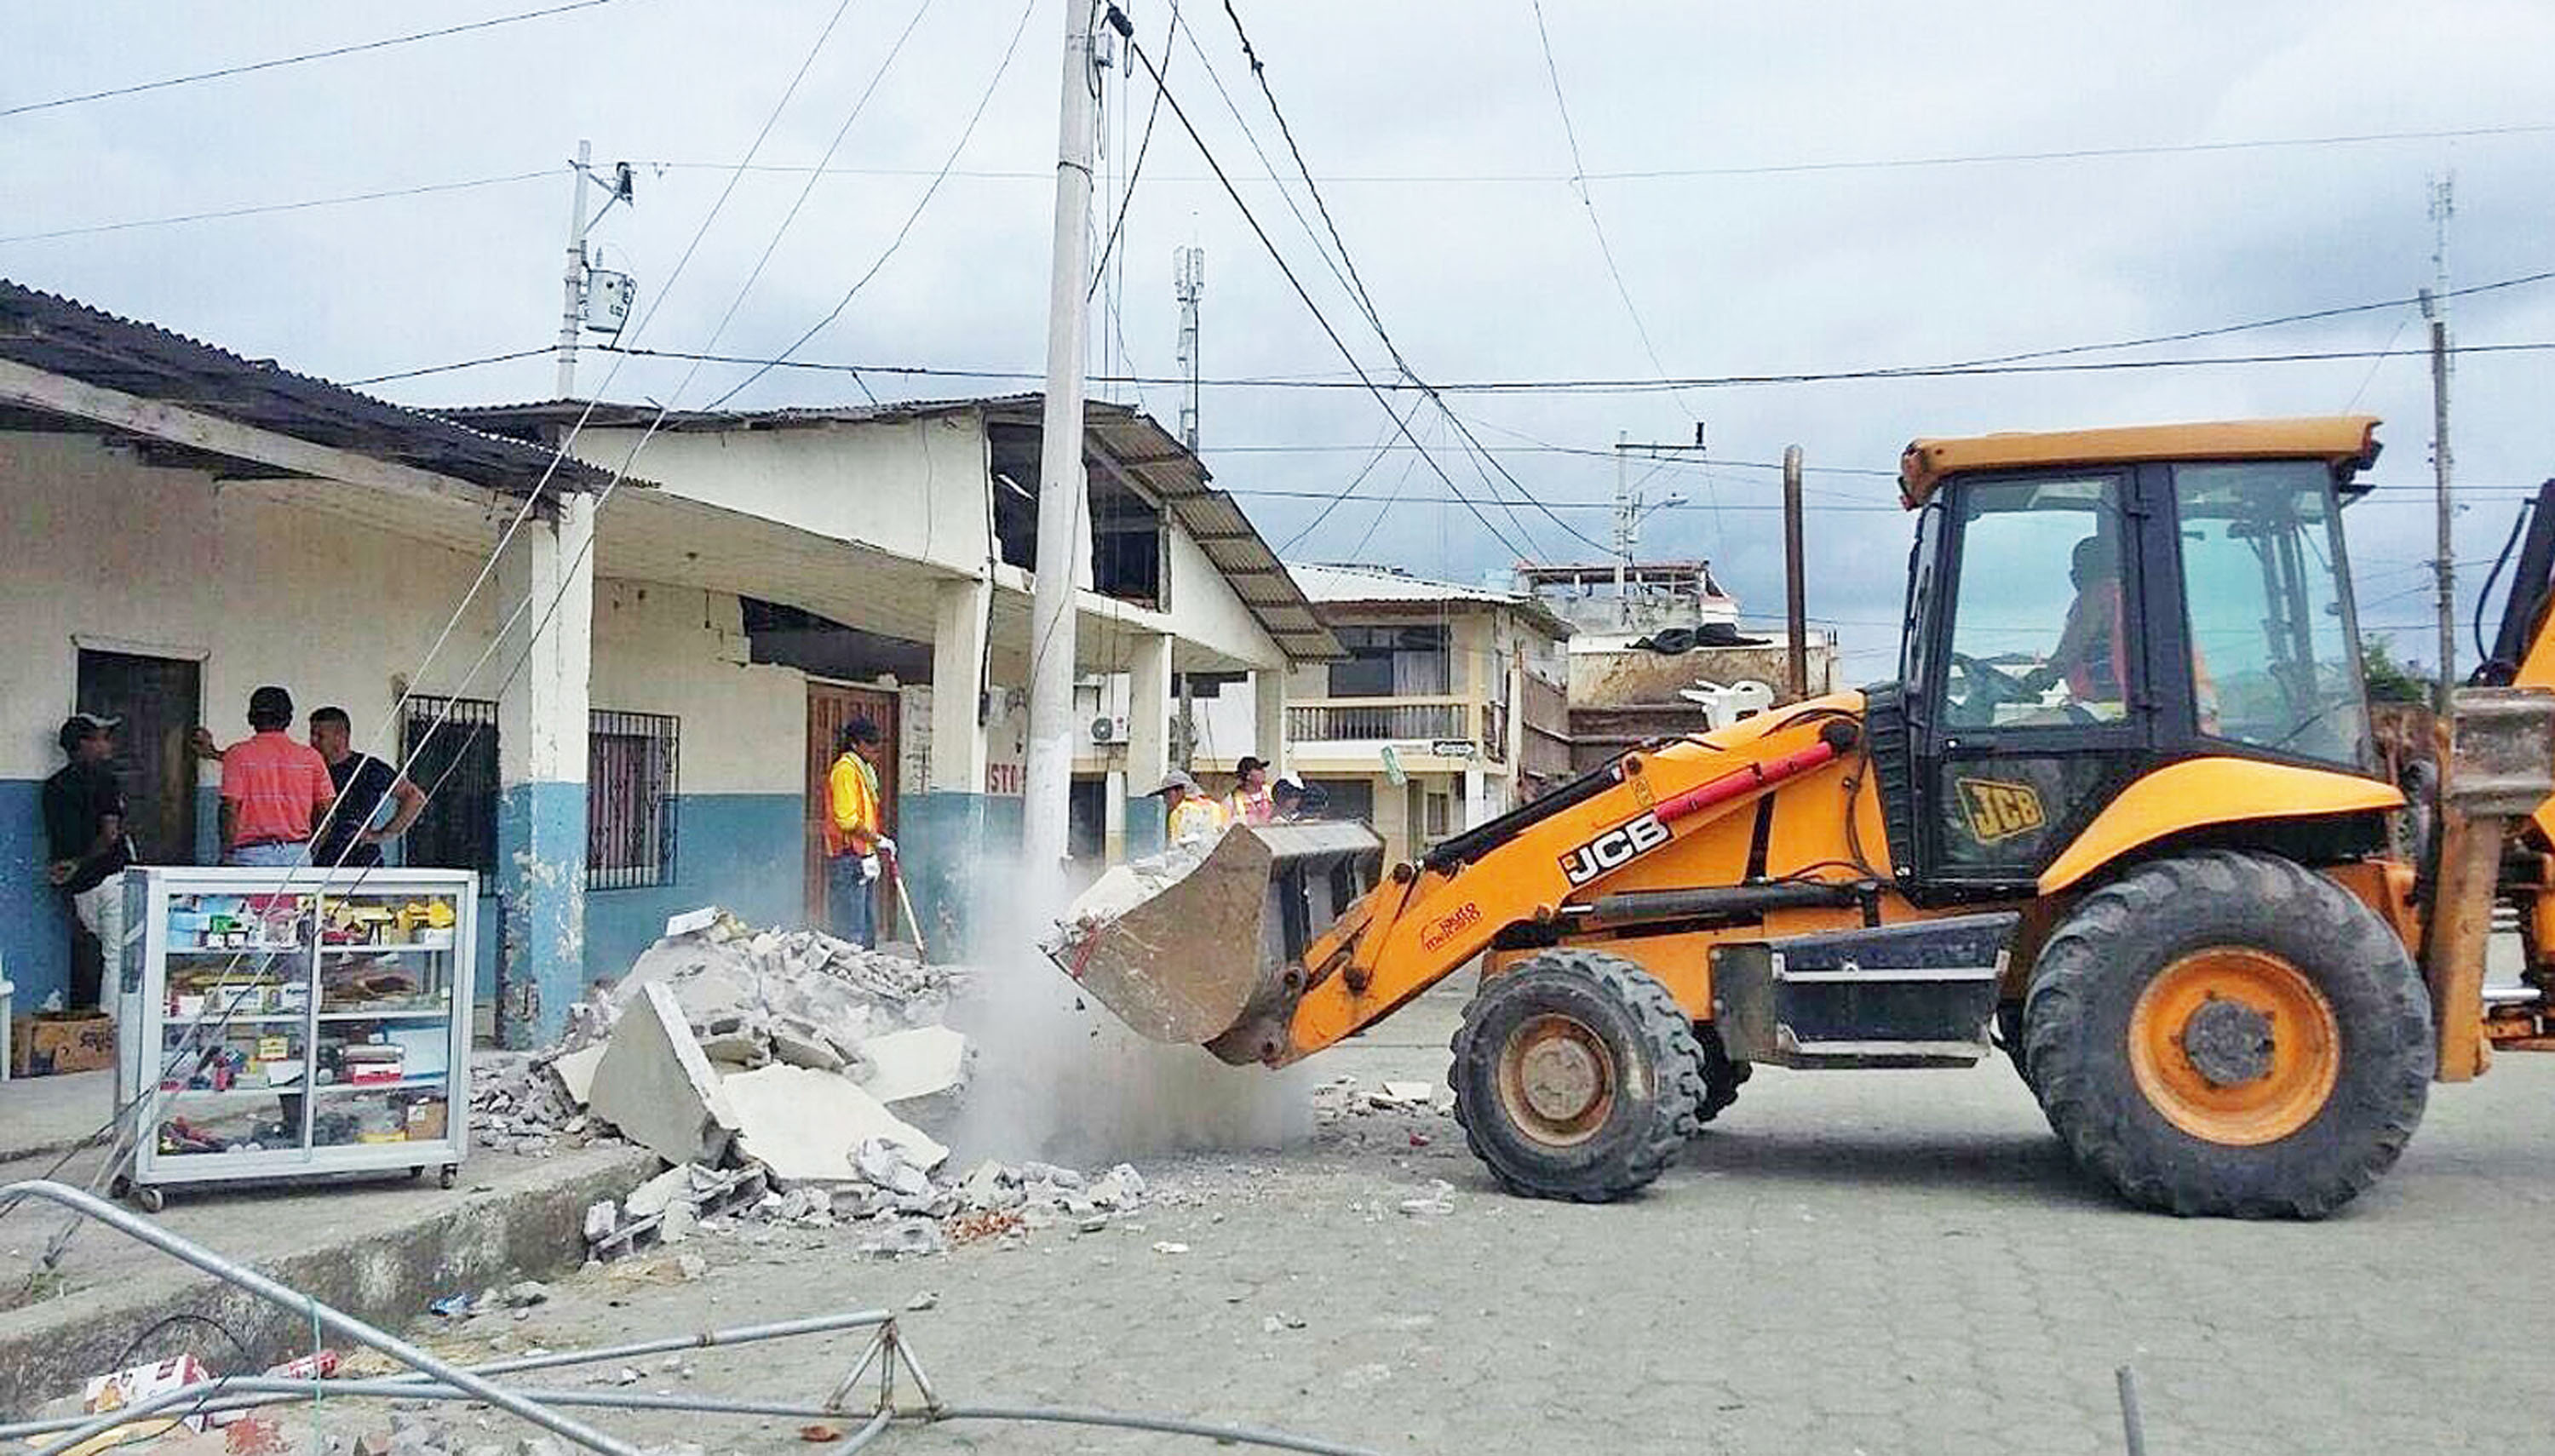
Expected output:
(2041, 633)
(2271, 658)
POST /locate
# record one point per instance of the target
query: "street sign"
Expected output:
(1454, 748)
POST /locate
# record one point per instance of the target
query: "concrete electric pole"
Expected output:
(1630, 508)
(572, 278)
(1796, 609)
(2435, 311)
(1060, 513)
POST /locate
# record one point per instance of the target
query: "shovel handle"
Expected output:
(904, 901)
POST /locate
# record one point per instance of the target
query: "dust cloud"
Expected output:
(1058, 1078)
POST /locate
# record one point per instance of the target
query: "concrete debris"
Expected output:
(657, 1086)
(692, 1266)
(1120, 888)
(523, 1295)
(903, 1237)
(1440, 1199)
(1170, 1246)
(600, 1219)
(923, 1062)
(1119, 1188)
(576, 1072)
(1418, 1095)
(804, 1125)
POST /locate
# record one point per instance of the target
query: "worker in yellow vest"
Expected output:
(1190, 812)
(854, 836)
(1251, 802)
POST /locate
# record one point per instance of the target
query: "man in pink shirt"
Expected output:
(275, 791)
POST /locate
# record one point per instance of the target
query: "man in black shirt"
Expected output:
(84, 839)
(363, 781)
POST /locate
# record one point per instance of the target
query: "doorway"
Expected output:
(830, 705)
(161, 701)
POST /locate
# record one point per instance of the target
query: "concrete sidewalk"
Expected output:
(45, 1115)
(378, 1249)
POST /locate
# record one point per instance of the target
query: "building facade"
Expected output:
(618, 696)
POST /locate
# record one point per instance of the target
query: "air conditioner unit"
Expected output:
(1104, 729)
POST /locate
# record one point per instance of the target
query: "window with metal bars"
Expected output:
(630, 799)
(450, 752)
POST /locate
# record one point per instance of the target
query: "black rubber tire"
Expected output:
(1721, 1075)
(1658, 1078)
(2088, 982)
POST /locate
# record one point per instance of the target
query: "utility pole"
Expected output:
(572, 278)
(2435, 310)
(1629, 508)
(1060, 522)
(1622, 530)
(1796, 611)
(1188, 284)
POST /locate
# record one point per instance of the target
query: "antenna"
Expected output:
(1188, 282)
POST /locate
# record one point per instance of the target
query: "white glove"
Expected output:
(869, 868)
(883, 845)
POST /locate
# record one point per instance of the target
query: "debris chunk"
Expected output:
(804, 1125)
(654, 1084)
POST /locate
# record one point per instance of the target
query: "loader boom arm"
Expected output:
(1427, 919)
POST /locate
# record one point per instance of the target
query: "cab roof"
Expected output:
(2346, 442)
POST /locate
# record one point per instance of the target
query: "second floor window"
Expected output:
(1391, 662)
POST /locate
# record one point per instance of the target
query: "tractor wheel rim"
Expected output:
(1556, 1080)
(2235, 1045)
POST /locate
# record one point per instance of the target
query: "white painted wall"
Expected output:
(106, 552)
(678, 650)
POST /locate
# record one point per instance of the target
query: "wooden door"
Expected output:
(830, 705)
(161, 701)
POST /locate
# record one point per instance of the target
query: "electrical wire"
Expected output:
(1587, 199)
(308, 56)
(1143, 147)
(1180, 114)
(262, 209)
(786, 355)
(484, 359)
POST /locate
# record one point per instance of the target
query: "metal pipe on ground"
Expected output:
(321, 1315)
(552, 1360)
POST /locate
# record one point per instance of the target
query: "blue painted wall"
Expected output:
(34, 929)
(742, 851)
(541, 878)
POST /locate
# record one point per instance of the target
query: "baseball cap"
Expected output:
(1175, 780)
(78, 728)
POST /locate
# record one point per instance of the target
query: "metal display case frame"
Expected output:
(159, 1045)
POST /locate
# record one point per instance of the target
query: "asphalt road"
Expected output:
(1846, 1262)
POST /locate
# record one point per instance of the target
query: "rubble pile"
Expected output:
(1120, 888)
(717, 998)
(896, 1205)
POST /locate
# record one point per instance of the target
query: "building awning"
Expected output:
(129, 360)
(1122, 436)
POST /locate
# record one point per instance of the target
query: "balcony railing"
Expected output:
(1397, 718)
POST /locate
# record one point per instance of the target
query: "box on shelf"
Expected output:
(49, 1043)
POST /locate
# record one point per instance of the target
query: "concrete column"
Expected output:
(941, 832)
(1148, 739)
(961, 611)
(540, 766)
(1268, 716)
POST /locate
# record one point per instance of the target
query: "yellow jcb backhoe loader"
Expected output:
(2121, 814)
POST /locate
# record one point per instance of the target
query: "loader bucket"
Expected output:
(1207, 953)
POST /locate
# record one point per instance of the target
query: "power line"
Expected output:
(308, 55)
(448, 368)
(1375, 318)
(260, 210)
(1280, 493)
(1180, 114)
(1599, 386)
(1779, 169)
(1143, 147)
(895, 243)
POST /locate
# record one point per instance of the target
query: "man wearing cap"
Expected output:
(85, 840)
(1251, 802)
(854, 837)
(1190, 812)
(275, 791)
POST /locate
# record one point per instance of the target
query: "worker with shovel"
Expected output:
(854, 838)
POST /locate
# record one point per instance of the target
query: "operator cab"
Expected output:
(2085, 608)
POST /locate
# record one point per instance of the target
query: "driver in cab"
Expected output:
(2092, 655)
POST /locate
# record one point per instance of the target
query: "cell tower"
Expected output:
(1188, 282)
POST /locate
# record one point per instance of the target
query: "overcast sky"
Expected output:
(1434, 129)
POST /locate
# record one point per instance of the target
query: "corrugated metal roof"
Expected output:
(62, 336)
(1342, 584)
(1133, 441)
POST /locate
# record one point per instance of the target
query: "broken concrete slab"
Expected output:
(576, 1071)
(1404, 1094)
(920, 1062)
(654, 1084)
(804, 1125)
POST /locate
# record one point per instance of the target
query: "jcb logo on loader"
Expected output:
(2000, 810)
(1614, 849)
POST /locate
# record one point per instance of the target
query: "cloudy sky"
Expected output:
(1781, 191)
